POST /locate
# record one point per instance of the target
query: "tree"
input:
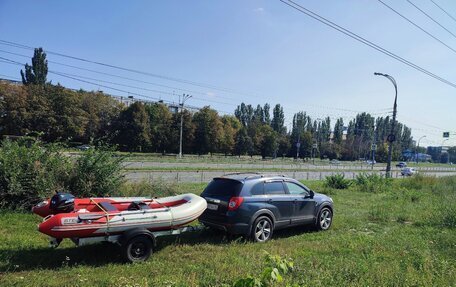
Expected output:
(208, 128)
(338, 131)
(37, 73)
(14, 115)
(267, 115)
(278, 120)
(284, 145)
(269, 142)
(160, 119)
(258, 115)
(133, 128)
(244, 113)
(244, 143)
(230, 127)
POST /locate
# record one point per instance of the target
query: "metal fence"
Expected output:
(206, 176)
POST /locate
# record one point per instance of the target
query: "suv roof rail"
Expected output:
(237, 173)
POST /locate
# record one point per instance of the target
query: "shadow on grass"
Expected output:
(104, 253)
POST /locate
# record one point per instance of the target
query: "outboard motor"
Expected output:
(62, 202)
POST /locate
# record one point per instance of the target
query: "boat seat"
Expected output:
(107, 206)
(138, 205)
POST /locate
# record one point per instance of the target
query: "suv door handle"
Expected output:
(270, 200)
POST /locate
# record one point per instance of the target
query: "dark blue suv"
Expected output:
(255, 205)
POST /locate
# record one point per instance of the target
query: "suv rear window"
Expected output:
(275, 187)
(225, 187)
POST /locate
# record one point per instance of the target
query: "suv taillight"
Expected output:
(234, 203)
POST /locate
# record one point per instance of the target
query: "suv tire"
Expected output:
(262, 229)
(324, 219)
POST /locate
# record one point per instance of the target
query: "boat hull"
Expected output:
(161, 214)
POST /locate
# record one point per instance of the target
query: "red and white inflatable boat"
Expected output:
(76, 218)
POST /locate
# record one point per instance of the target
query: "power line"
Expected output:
(128, 86)
(8, 43)
(113, 75)
(449, 15)
(101, 85)
(417, 26)
(136, 87)
(358, 38)
(427, 15)
(203, 85)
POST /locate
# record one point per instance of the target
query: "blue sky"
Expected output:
(263, 51)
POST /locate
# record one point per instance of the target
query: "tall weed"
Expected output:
(30, 172)
(374, 183)
(337, 181)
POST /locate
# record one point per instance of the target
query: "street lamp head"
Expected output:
(381, 74)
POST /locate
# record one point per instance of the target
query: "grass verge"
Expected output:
(402, 237)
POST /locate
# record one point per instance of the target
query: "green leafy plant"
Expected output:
(373, 183)
(337, 181)
(97, 172)
(156, 188)
(29, 172)
(271, 275)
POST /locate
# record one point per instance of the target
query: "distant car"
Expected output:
(334, 161)
(254, 205)
(371, 161)
(401, 164)
(84, 147)
(408, 171)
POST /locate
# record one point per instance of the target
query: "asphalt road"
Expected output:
(206, 176)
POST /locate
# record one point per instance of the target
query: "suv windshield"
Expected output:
(226, 187)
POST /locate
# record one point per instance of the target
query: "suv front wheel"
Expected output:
(324, 219)
(262, 229)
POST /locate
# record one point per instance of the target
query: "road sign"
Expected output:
(314, 146)
(374, 147)
(298, 145)
(391, 138)
(446, 134)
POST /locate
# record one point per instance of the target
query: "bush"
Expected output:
(30, 172)
(97, 172)
(337, 181)
(373, 182)
(419, 181)
(158, 188)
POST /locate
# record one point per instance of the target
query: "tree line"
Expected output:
(57, 114)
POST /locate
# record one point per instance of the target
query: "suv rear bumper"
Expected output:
(235, 228)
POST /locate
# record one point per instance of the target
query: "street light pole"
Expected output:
(184, 98)
(417, 148)
(391, 136)
(441, 150)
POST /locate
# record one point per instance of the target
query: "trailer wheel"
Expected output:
(137, 249)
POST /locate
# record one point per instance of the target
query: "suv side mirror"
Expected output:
(311, 194)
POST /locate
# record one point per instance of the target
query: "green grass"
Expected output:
(403, 237)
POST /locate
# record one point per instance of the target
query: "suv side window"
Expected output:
(293, 188)
(275, 187)
(257, 189)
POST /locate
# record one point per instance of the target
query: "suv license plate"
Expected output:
(212, 206)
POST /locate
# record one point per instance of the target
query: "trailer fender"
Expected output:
(131, 233)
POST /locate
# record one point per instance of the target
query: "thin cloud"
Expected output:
(258, 10)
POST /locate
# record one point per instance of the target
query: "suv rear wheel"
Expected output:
(262, 229)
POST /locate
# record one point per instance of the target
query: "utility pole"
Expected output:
(441, 151)
(391, 136)
(374, 145)
(184, 98)
(417, 149)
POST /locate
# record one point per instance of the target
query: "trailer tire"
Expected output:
(137, 248)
